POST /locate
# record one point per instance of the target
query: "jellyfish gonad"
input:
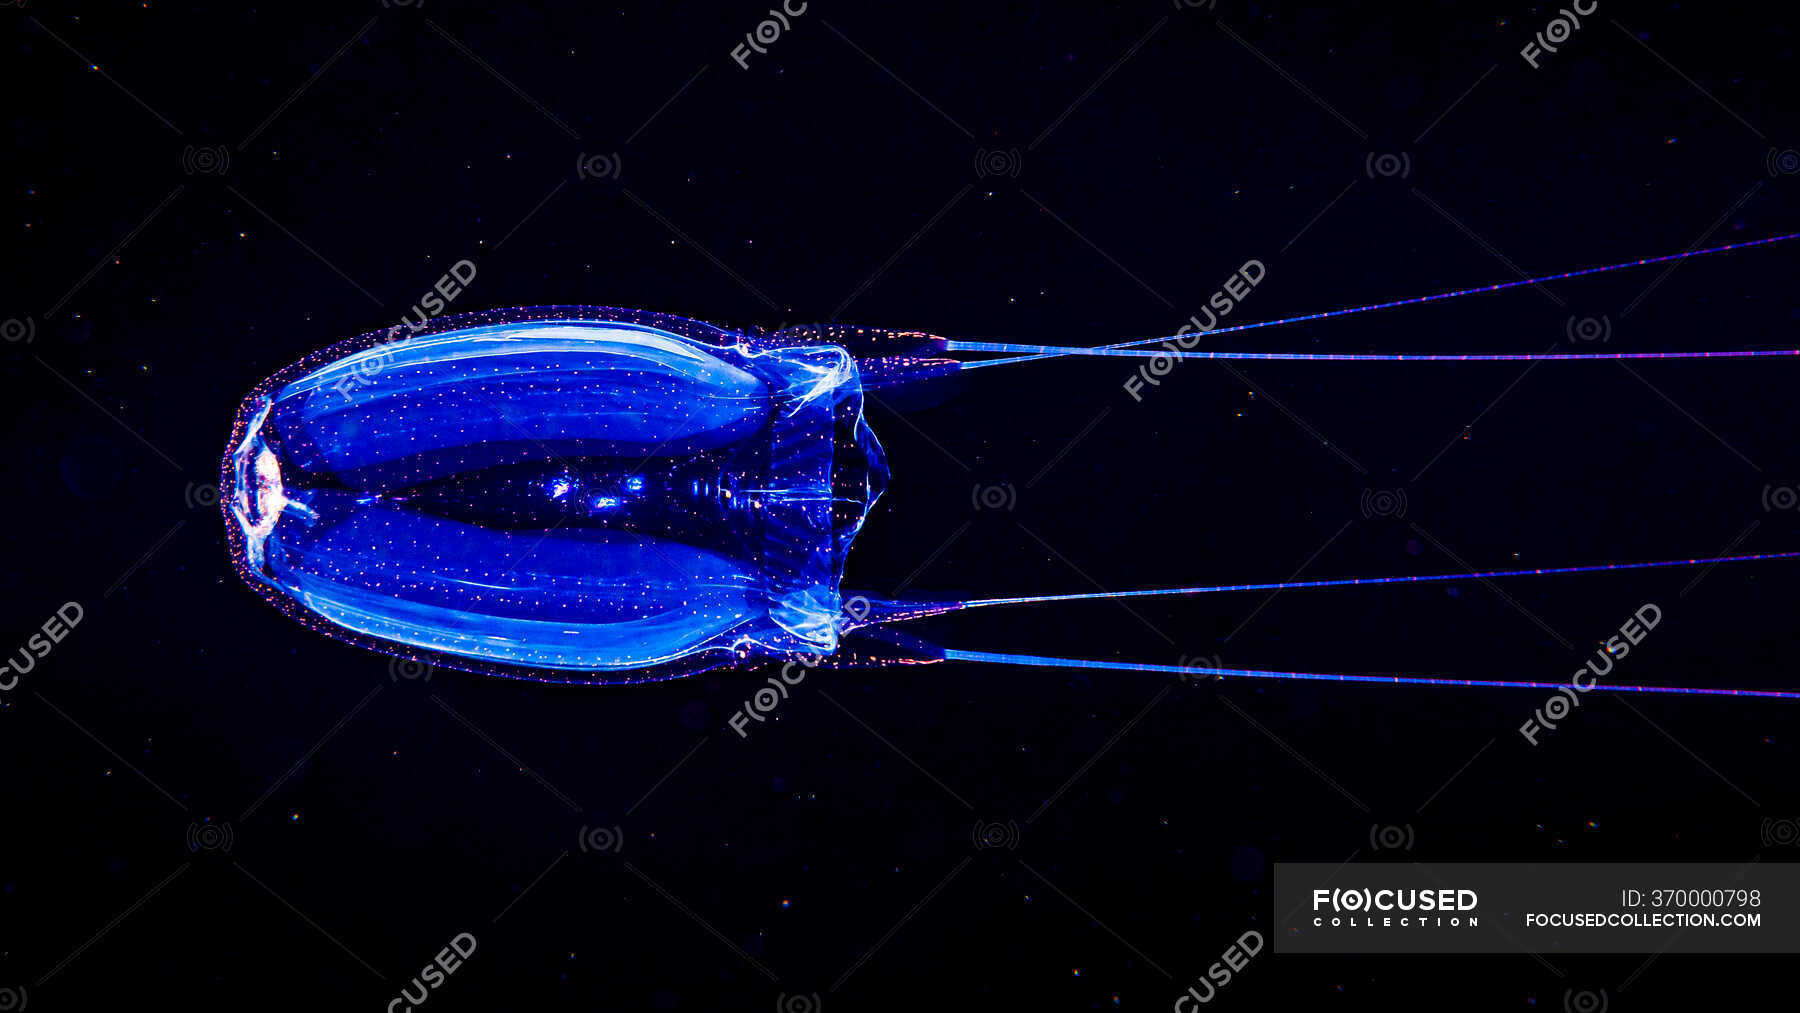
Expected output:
(599, 495)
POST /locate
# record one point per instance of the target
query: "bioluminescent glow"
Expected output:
(600, 495)
(547, 493)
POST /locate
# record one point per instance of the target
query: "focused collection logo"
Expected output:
(1363, 908)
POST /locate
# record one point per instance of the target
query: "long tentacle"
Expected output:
(1032, 353)
(1052, 351)
(881, 611)
(1037, 660)
(1367, 581)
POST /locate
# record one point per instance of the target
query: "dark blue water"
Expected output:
(208, 803)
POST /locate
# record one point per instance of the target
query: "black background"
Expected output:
(1062, 174)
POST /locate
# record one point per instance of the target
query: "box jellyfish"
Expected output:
(599, 495)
